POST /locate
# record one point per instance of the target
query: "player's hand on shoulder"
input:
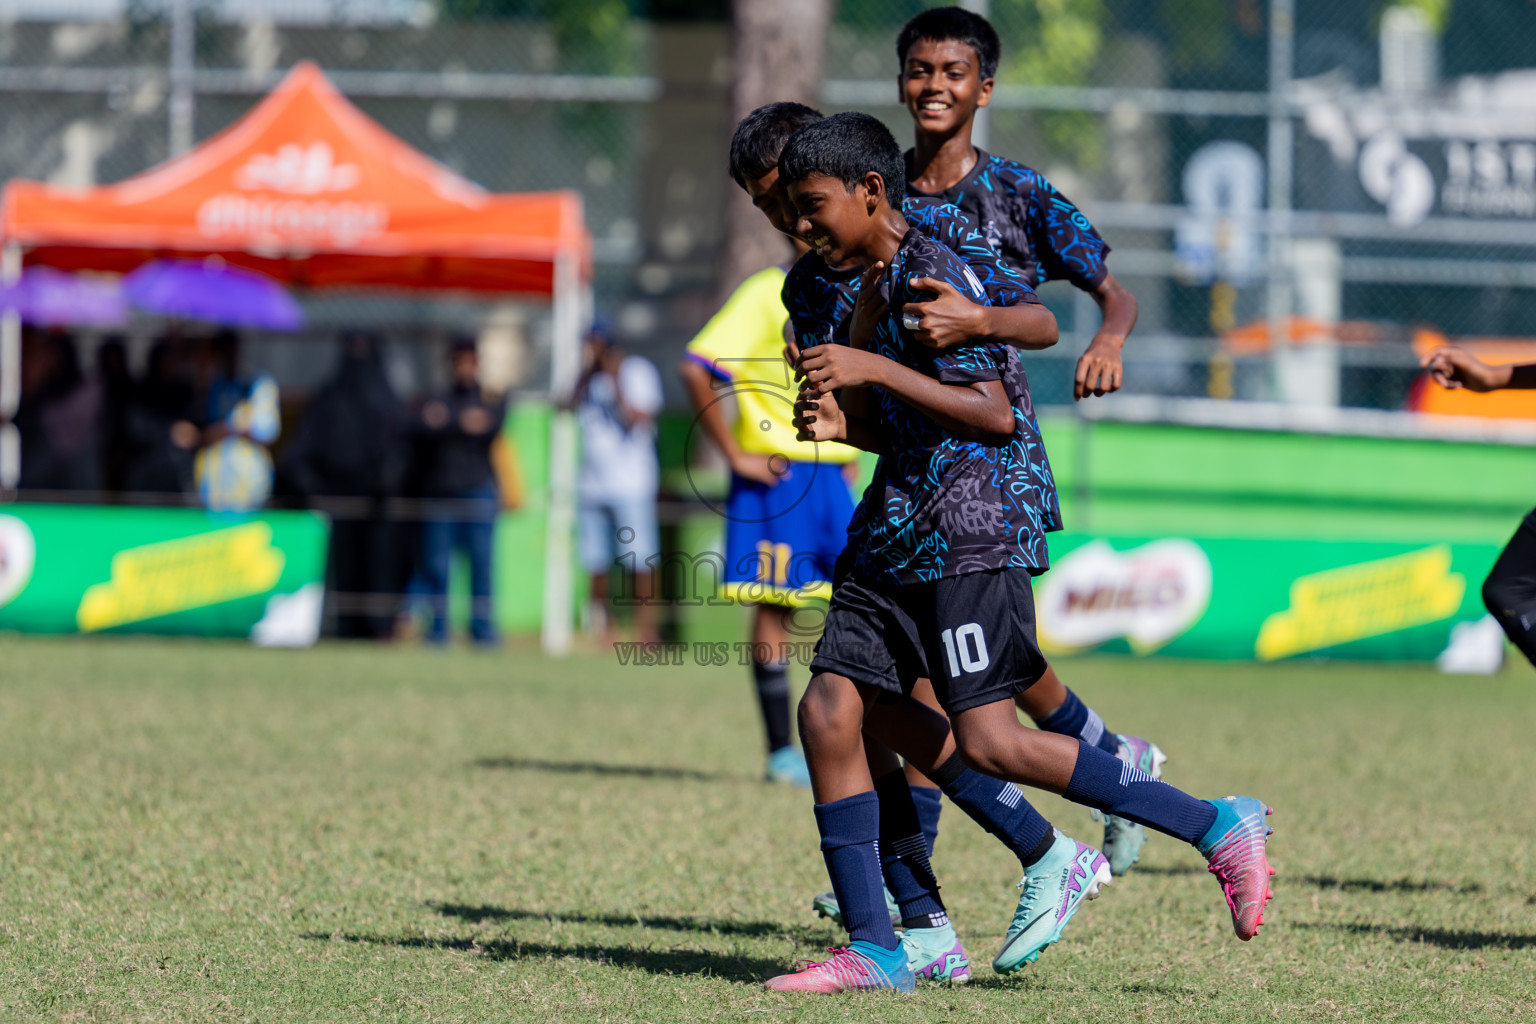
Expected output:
(950, 318)
(1099, 369)
(829, 367)
(818, 417)
(869, 308)
(1456, 368)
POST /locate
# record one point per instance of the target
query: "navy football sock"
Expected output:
(904, 855)
(1116, 787)
(772, 682)
(930, 802)
(850, 844)
(1074, 718)
(999, 807)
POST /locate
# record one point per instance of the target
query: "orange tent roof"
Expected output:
(310, 190)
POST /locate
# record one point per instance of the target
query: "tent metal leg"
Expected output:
(10, 375)
(565, 368)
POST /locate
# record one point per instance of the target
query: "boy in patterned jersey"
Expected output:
(935, 583)
(948, 59)
(908, 819)
(822, 303)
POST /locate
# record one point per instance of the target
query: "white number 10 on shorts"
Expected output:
(967, 649)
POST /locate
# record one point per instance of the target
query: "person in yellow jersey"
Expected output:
(789, 505)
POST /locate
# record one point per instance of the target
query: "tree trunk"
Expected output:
(778, 50)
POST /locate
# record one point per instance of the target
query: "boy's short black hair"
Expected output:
(847, 147)
(761, 136)
(953, 24)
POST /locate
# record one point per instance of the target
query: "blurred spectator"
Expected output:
(351, 444)
(234, 469)
(58, 417)
(159, 433)
(116, 392)
(461, 444)
(617, 399)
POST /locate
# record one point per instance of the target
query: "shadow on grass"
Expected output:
(1176, 869)
(1393, 885)
(1445, 938)
(656, 961)
(712, 926)
(638, 771)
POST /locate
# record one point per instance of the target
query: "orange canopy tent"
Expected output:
(309, 190)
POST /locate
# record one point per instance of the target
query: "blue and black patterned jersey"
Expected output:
(1034, 226)
(940, 505)
(820, 300)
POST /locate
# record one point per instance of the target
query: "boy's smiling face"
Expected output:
(835, 222)
(768, 195)
(941, 85)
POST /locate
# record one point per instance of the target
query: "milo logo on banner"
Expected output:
(1149, 595)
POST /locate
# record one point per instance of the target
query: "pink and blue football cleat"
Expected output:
(846, 970)
(1235, 847)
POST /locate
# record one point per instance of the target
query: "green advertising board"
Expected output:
(1256, 598)
(99, 569)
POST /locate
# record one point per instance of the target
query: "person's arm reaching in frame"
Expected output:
(1455, 368)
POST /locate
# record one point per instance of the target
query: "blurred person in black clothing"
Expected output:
(57, 418)
(160, 435)
(459, 435)
(351, 444)
(116, 393)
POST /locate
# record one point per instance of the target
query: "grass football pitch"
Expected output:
(193, 831)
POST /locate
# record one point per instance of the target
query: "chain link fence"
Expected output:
(1296, 192)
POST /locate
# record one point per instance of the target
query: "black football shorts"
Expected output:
(972, 635)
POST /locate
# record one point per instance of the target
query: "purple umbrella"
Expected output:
(53, 298)
(211, 290)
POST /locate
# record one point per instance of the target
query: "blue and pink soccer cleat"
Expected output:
(1235, 847)
(1054, 887)
(846, 970)
(936, 954)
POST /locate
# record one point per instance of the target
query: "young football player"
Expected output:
(948, 58)
(935, 582)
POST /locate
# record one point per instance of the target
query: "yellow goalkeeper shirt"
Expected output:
(743, 347)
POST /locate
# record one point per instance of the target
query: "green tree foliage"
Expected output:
(1055, 42)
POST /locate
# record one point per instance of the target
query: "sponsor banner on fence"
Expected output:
(94, 569)
(1258, 599)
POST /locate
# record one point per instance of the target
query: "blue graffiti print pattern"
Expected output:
(1035, 227)
(941, 505)
(820, 300)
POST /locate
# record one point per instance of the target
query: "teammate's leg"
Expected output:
(770, 677)
(1509, 592)
(982, 651)
(848, 818)
(1230, 832)
(1057, 709)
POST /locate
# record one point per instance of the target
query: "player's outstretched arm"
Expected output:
(980, 411)
(951, 318)
(1099, 370)
(1456, 368)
